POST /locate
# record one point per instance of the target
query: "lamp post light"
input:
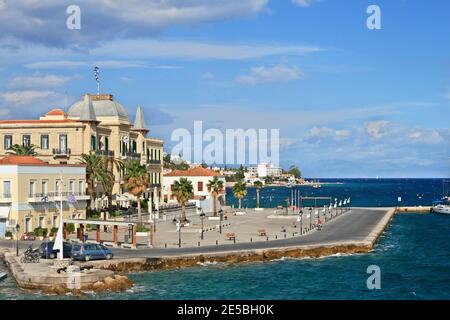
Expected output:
(310, 218)
(221, 218)
(17, 239)
(301, 222)
(202, 216)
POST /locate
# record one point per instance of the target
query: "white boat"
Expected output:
(3, 276)
(442, 208)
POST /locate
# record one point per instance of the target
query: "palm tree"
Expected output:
(96, 172)
(20, 150)
(136, 181)
(215, 186)
(258, 185)
(240, 191)
(183, 191)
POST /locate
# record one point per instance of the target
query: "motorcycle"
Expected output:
(31, 256)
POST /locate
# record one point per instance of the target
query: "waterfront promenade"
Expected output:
(358, 226)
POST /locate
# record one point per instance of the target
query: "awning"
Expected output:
(4, 212)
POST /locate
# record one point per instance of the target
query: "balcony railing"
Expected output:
(131, 155)
(152, 161)
(105, 153)
(5, 197)
(56, 196)
(62, 152)
(153, 185)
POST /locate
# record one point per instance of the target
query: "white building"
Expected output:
(199, 177)
(264, 170)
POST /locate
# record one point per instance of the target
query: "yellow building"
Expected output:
(96, 123)
(31, 191)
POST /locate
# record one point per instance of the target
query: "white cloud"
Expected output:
(431, 136)
(377, 129)
(208, 76)
(262, 74)
(26, 97)
(304, 3)
(38, 81)
(319, 133)
(147, 48)
(44, 21)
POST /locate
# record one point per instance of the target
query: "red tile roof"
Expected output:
(193, 172)
(31, 161)
(56, 112)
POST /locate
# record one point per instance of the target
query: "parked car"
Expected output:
(46, 250)
(91, 251)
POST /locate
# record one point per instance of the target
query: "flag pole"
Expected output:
(59, 236)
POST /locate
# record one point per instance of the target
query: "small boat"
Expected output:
(442, 207)
(3, 276)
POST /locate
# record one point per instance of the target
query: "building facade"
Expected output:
(263, 170)
(97, 123)
(199, 177)
(31, 191)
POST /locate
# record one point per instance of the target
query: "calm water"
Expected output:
(363, 192)
(413, 254)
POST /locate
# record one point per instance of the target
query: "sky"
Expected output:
(348, 101)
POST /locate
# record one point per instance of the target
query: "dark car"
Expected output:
(46, 250)
(91, 251)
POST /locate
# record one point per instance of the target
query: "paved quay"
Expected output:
(358, 226)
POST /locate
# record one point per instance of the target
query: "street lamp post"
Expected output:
(301, 222)
(17, 240)
(179, 233)
(202, 216)
(221, 218)
(310, 218)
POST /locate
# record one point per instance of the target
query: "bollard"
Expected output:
(276, 237)
(251, 239)
(234, 240)
(267, 238)
(199, 243)
(165, 245)
(285, 235)
(293, 234)
(217, 242)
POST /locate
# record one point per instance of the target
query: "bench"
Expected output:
(262, 232)
(231, 236)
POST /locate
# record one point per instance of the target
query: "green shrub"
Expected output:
(53, 231)
(70, 227)
(142, 228)
(8, 234)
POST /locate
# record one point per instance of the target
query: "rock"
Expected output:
(109, 281)
(99, 286)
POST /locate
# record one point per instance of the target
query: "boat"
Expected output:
(442, 206)
(3, 276)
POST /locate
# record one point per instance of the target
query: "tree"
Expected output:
(294, 170)
(183, 191)
(215, 187)
(239, 191)
(136, 181)
(20, 150)
(96, 172)
(258, 185)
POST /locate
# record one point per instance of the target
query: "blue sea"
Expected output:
(413, 256)
(362, 192)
